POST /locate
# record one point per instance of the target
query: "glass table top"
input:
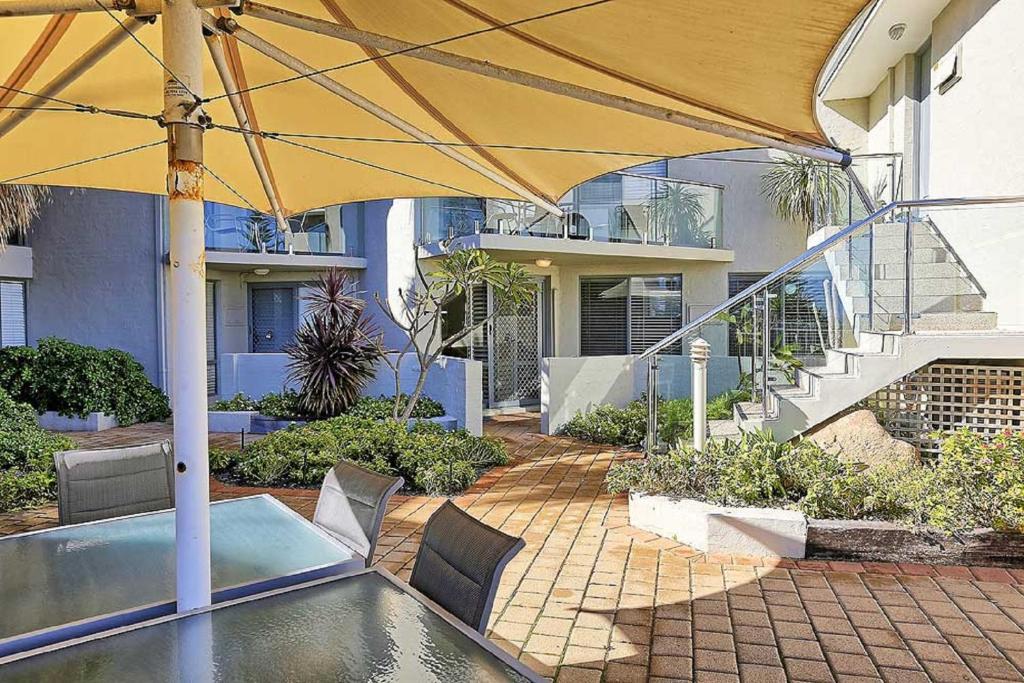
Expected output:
(358, 628)
(83, 571)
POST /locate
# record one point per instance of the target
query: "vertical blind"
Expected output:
(12, 313)
(620, 315)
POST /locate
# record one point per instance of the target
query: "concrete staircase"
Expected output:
(949, 321)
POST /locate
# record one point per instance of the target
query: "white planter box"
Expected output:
(93, 422)
(716, 529)
(230, 420)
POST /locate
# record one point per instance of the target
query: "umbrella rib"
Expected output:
(256, 151)
(392, 72)
(36, 55)
(86, 61)
(354, 98)
(620, 76)
(62, 167)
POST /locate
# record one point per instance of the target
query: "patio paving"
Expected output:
(592, 599)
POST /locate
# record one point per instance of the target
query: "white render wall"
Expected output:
(973, 139)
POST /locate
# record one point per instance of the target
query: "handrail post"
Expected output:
(700, 352)
(908, 254)
(651, 444)
(871, 277)
(765, 350)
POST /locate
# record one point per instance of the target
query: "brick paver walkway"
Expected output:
(591, 599)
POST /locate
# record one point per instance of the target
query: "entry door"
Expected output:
(516, 345)
(273, 318)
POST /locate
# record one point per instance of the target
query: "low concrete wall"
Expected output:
(580, 384)
(93, 422)
(456, 383)
(230, 420)
(716, 529)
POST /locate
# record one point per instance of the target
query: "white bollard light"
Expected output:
(700, 352)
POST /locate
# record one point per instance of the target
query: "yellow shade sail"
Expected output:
(751, 64)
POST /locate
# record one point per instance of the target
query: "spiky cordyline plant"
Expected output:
(335, 352)
(792, 184)
(19, 206)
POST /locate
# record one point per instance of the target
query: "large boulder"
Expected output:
(857, 437)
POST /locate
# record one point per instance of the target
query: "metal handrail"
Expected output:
(815, 251)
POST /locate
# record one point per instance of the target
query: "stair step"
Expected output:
(724, 429)
(897, 271)
(956, 322)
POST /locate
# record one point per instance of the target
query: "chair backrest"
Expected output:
(459, 564)
(352, 504)
(114, 482)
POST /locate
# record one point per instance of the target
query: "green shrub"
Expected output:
(608, 424)
(27, 475)
(222, 459)
(382, 407)
(238, 402)
(301, 456)
(76, 380)
(628, 426)
(976, 482)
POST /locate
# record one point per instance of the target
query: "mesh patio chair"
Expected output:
(460, 562)
(351, 506)
(114, 482)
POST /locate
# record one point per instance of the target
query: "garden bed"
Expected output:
(899, 510)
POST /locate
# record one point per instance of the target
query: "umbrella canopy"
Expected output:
(345, 100)
(753, 67)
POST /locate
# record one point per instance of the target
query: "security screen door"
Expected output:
(515, 351)
(274, 316)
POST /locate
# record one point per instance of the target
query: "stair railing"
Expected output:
(759, 297)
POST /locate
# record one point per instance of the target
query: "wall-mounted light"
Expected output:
(261, 271)
(896, 31)
(543, 262)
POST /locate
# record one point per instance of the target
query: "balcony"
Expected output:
(316, 239)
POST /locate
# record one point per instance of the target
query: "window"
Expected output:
(12, 313)
(737, 283)
(274, 317)
(620, 315)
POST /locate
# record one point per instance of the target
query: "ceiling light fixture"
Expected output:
(543, 262)
(896, 31)
(261, 271)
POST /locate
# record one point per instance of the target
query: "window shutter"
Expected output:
(655, 310)
(603, 316)
(12, 313)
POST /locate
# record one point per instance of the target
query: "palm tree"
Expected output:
(19, 206)
(802, 189)
(676, 212)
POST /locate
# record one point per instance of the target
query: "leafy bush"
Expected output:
(76, 380)
(238, 402)
(975, 483)
(284, 405)
(382, 407)
(628, 426)
(27, 475)
(429, 458)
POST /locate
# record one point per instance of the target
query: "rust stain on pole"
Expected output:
(185, 180)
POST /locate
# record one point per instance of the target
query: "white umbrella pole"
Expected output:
(183, 85)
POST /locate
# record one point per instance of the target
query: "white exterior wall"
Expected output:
(974, 129)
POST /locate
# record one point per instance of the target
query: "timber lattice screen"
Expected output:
(945, 396)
